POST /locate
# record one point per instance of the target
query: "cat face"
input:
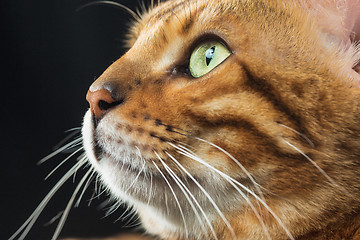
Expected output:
(228, 119)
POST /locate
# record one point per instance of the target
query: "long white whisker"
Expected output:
(69, 205)
(63, 161)
(206, 194)
(98, 194)
(74, 131)
(128, 213)
(300, 134)
(237, 163)
(25, 228)
(176, 199)
(187, 193)
(124, 214)
(139, 173)
(150, 191)
(136, 16)
(85, 187)
(71, 144)
(257, 186)
(242, 186)
(173, 193)
(54, 219)
(312, 162)
(196, 158)
(97, 184)
(112, 209)
(133, 219)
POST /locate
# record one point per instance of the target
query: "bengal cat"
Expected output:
(234, 119)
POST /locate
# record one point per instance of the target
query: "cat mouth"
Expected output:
(118, 162)
(104, 147)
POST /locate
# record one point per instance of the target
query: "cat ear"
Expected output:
(339, 18)
(339, 21)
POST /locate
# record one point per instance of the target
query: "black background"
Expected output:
(51, 53)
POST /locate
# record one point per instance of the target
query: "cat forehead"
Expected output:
(172, 26)
(177, 17)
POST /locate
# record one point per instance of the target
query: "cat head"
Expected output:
(230, 119)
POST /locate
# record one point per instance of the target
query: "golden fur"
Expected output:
(285, 104)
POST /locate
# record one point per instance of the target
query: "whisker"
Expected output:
(142, 6)
(85, 187)
(74, 175)
(69, 205)
(136, 222)
(187, 193)
(112, 209)
(136, 178)
(63, 161)
(128, 211)
(206, 194)
(98, 194)
(136, 17)
(245, 188)
(232, 182)
(71, 144)
(173, 192)
(300, 134)
(98, 186)
(104, 205)
(138, 13)
(73, 131)
(27, 225)
(150, 191)
(54, 219)
(313, 163)
(256, 185)
(133, 219)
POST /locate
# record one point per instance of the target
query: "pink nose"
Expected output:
(100, 101)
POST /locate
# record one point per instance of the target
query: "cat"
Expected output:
(234, 119)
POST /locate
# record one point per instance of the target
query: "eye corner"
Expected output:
(181, 70)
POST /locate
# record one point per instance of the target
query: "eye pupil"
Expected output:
(209, 54)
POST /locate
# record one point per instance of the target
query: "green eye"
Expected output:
(206, 57)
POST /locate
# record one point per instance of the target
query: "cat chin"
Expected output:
(117, 174)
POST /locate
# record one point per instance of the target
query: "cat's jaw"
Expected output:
(113, 169)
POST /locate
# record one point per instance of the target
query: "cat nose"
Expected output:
(101, 101)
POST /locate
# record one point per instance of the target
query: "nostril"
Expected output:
(103, 105)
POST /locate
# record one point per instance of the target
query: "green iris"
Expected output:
(206, 57)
